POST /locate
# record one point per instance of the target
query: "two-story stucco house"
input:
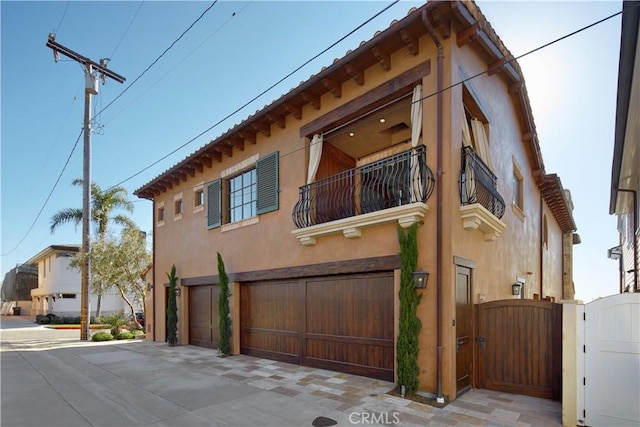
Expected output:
(428, 122)
(58, 290)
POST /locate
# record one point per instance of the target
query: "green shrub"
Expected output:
(101, 336)
(115, 321)
(53, 318)
(137, 332)
(125, 335)
(223, 310)
(410, 324)
(42, 319)
(172, 309)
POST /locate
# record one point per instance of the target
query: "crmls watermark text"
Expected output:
(374, 418)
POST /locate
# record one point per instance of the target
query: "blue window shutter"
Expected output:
(214, 204)
(267, 176)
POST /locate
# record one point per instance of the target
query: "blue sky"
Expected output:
(238, 50)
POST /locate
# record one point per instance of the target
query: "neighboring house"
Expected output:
(16, 289)
(58, 290)
(303, 200)
(625, 170)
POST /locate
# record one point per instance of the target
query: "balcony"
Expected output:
(482, 205)
(391, 189)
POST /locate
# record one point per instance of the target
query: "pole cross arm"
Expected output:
(101, 68)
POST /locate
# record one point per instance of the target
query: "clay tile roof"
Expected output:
(556, 198)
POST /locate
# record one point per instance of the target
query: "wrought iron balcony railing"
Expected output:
(393, 181)
(478, 184)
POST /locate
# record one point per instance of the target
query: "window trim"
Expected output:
(198, 190)
(160, 214)
(517, 180)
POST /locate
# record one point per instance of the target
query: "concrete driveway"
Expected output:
(51, 378)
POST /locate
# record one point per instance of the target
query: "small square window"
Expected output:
(178, 207)
(198, 198)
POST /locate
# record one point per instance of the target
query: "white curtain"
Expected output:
(315, 153)
(416, 115)
(466, 133)
(416, 129)
(482, 144)
(469, 182)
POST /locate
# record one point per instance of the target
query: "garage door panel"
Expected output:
(353, 307)
(273, 306)
(368, 356)
(270, 344)
(271, 320)
(203, 316)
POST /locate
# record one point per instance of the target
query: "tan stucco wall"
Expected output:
(269, 244)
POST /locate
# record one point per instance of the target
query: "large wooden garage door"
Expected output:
(203, 316)
(342, 323)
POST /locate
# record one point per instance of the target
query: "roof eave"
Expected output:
(628, 46)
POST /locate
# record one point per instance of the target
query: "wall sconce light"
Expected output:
(516, 289)
(420, 278)
(178, 291)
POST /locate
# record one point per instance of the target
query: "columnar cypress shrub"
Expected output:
(407, 348)
(172, 309)
(224, 323)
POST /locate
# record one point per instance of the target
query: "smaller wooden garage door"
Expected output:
(203, 316)
(340, 323)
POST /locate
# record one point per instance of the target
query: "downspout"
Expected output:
(635, 239)
(153, 274)
(541, 248)
(439, 264)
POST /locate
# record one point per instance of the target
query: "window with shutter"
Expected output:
(214, 204)
(268, 183)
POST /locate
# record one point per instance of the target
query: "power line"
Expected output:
(75, 145)
(259, 95)
(487, 71)
(423, 98)
(159, 57)
(297, 150)
(96, 115)
(233, 15)
(63, 15)
(127, 30)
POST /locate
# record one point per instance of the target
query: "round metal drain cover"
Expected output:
(323, 422)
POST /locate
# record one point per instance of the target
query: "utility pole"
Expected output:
(92, 69)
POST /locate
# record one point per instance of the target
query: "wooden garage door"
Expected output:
(342, 323)
(203, 316)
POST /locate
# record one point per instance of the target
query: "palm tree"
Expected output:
(102, 205)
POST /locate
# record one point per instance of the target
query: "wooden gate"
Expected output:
(518, 347)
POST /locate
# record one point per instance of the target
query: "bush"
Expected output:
(101, 336)
(125, 335)
(46, 319)
(137, 332)
(115, 321)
